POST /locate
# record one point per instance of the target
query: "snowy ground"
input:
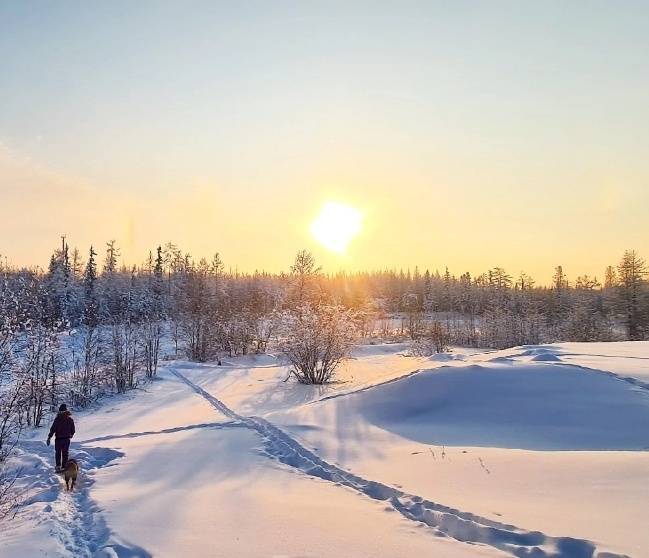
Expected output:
(534, 451)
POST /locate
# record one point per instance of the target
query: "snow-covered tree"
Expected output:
(153, 316)
(499, 330)
(632, 272)
(318, 339)
(433, 338)
(304, 281)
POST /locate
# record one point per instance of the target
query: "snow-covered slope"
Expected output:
(532, 451)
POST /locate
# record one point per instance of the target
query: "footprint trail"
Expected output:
(443, 520)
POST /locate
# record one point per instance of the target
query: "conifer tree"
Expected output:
(632, 272)
(91, 314)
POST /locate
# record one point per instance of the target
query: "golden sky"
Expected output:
(467, 134)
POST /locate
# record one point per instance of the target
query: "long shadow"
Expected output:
(215, 425)
(445, 521)
(540, 406)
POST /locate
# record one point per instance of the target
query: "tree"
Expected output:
(584, 322)
(303, 281)
(318, 340)
(76, 265)
(196, 310)
(610, 277)
(10, 430)
(527, 311)
(631, 273)
(87, 355)
(428, 296)
(91, 312)
(413, 311)
(124, 335)
(432, 339)
(112, 251)
(12, 385)
(40, 364)
(468, 305)
(559, 303)
(11, 388)
(153, 317)
(60, 300)
(87, 347)
(112, 301)
(499, 330)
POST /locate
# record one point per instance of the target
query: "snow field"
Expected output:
(533, 451)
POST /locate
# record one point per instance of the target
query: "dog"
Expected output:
(71, 470)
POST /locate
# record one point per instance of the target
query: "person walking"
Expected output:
(63, 429)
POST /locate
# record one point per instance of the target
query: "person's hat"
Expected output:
(63, 407)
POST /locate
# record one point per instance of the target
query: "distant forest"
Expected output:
(492, 310)
(102, 326)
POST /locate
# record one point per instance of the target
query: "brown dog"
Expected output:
(70, 471)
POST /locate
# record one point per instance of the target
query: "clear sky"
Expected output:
(468, 134)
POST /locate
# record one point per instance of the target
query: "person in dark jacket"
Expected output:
(63, 429)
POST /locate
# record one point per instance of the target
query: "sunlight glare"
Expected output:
(336, 225)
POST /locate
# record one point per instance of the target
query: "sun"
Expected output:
(336, 225)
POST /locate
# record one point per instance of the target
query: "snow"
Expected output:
(533, 451)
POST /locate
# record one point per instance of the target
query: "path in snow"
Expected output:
(445, 521)
(76, 522)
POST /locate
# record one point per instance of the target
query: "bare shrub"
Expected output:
(433, 339)
(318, 340)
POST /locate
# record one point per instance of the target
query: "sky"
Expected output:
(402, 456)
(468, 135)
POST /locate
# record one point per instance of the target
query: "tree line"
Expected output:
(81, 329)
